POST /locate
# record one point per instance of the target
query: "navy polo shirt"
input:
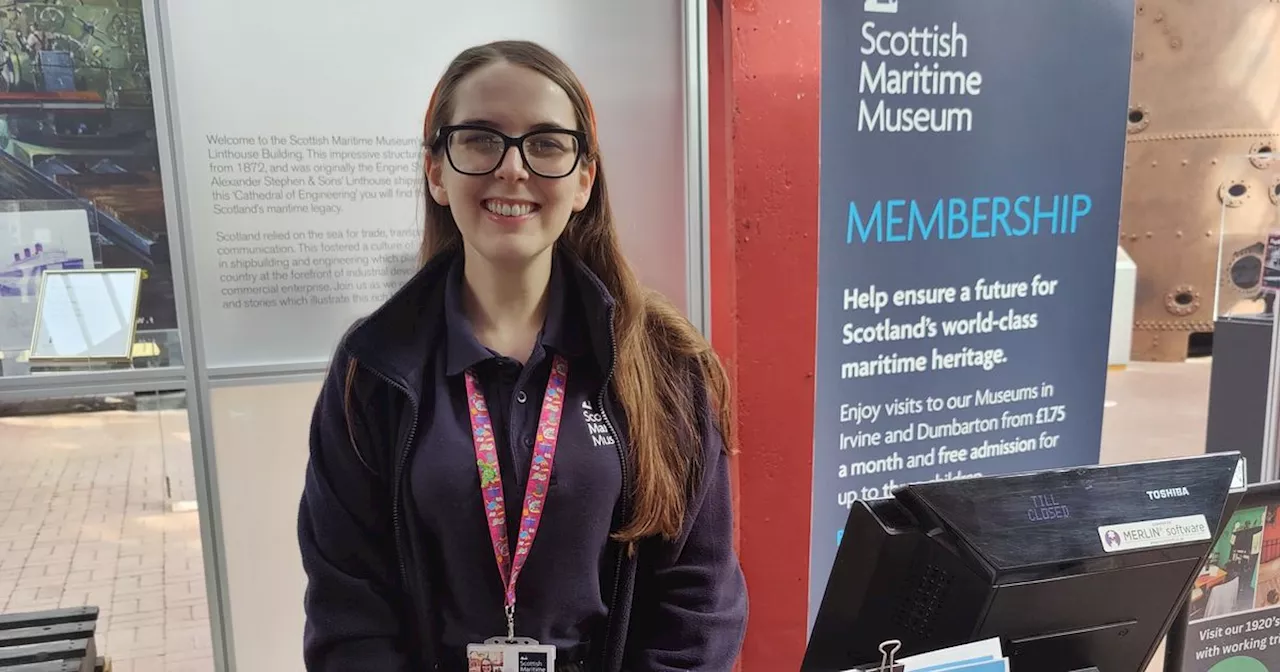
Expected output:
(560, 596)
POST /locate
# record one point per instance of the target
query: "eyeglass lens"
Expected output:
(547, 153)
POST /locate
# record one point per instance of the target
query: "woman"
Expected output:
(598, 413)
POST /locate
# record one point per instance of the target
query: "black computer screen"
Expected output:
(1071, 568)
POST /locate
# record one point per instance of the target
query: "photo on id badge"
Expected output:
(511, 655)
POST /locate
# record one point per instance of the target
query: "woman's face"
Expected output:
(511, 215)
(486, 666)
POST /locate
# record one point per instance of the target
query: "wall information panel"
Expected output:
(300, 150)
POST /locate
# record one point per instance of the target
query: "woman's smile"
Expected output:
(509, 211)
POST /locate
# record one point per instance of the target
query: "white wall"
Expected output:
(260, 448)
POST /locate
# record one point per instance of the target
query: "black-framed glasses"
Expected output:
(479, 150)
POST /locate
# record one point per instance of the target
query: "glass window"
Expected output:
(80, 171)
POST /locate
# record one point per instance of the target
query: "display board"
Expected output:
(301, 170)
(971, 160)
(1232, 621)
(87, 315)
(1246, 209)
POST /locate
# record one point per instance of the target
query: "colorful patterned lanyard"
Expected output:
(544, 455)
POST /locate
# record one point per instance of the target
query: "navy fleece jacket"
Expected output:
(673, 605)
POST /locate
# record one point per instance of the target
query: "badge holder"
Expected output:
(512, 654)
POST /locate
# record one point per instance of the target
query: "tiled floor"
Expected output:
(85, 520)
(1156, 411)
(84, 515)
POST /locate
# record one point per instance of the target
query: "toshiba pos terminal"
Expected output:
(1073, 569)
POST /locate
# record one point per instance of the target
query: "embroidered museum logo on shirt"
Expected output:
(596, 427)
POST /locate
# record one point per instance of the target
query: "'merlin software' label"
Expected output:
(1153, 533)
(971, 156)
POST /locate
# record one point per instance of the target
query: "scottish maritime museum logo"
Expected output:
(914, 78)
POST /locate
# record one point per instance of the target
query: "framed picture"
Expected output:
(86, 315)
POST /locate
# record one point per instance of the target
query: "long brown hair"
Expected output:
(663, 362)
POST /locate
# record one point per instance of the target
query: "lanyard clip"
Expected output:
(511, 621)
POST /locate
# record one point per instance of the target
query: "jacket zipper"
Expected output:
(404, 456)
(626, 489)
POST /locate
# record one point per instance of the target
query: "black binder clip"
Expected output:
(888, 656)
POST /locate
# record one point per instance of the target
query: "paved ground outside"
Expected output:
(85, 509)
(85, 520)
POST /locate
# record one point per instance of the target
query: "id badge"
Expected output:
(519, 654)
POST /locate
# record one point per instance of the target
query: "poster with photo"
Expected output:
(77, 124)
(30, 244)
(1234, 611)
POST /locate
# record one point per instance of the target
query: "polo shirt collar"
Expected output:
(560, 332)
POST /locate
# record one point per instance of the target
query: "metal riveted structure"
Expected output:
(1200, 186)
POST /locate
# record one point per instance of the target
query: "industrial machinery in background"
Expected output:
(1202, 172)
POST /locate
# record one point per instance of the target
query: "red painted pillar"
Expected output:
(765, 57)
